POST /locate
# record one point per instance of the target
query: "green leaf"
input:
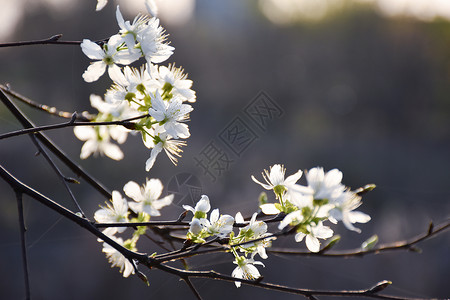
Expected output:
(370, 243)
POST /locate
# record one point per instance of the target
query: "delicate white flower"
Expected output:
(137, 80)
(325, 185)
(195, 227)
(115, 213)
(146, 197)
(255, 230)
(112, 111)
(275, 181)
(159, 142)
(201, 208)
(245, 269)
(109, 56)
(128, 30)
(220, 226)
(152, 40)
(117, 259)
(343, 211)
(97, 141)
(169, 114)
(313, 233)
(173, 80)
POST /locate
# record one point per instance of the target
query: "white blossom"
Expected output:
(343, 211)
(117, 259)
(201, 208)
(159, 142)
(313, 234)
(97, 141)
(219, 225)
(174, 80)
(245, 269)
(107, 56)
(146, 197)
(170, 114)
(115, 212)
(153, 42)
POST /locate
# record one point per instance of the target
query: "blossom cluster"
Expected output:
(146, 203)
(152, 100)
(252, 238)
(306, 208)
(153, 94)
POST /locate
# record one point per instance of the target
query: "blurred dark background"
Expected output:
(362, 88)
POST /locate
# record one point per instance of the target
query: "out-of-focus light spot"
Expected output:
(290, 11)
(426, 10)
(285, 12)
(10, 14)
(171, 12)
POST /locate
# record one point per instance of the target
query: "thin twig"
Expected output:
(52, 147)
(71, 123)
(50, 110)
(20, 187)
(369, 293)
(358, 252)
(192, 287)
(23, 244)
(58, 173)
(53, 40)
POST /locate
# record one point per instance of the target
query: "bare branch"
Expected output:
(126, 123)
(50, 110)
(23, 244)
(52, 147)
(358, 252)
(53, 40)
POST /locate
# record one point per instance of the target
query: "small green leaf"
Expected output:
(370, 243)
(365, 189)
(379, 287)
(331, 243)
(262, 198)
(143, 278)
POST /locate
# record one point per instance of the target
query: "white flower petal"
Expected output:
(94, 71)
(269, 209)
(133, 190)
(92, 50)
(113, 151)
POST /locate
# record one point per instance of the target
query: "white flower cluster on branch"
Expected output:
(157, 93)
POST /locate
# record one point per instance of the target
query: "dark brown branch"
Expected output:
(149, 224)
(52, 147)
(126, 123)
(21, 188)
(369, 293)
(58, 173)
(85, 117)
(358, 252)
(53, 40)
(23, 244)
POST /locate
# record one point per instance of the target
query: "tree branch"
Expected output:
(52, 147)
(23, 244)
(358, 252)
(126, 123)
(53, 40)
(368, 293)
(50, 110)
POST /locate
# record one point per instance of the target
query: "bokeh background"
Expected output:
(364, 87)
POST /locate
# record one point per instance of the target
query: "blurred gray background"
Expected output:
(363, 86)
